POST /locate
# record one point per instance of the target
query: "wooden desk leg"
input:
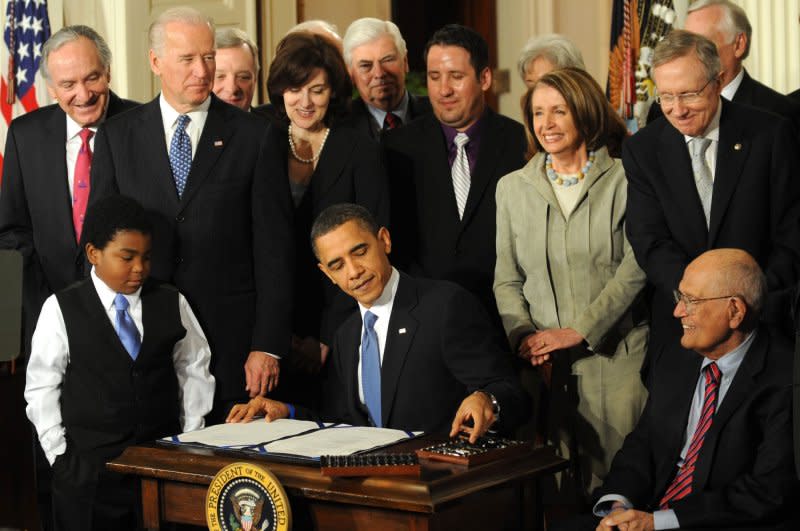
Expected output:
(151, 504)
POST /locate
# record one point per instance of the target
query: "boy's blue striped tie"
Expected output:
(126, 328)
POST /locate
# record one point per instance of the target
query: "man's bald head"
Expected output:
(735, 272)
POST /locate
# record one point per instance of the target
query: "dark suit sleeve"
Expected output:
(16, 233)
(103, 173)
(336, 406)
(631, 472)
(646, 226)
(16, 229)
(755, 497)
(471, 351)
(273, 249)
(782, 267)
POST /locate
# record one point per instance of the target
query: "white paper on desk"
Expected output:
(337, 440)
(241, 435)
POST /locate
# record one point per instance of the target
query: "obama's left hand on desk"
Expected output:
(477, 407)
(271, 409)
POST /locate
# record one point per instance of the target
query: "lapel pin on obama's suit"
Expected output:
(217, 143)
(737, 147)
(401, 331)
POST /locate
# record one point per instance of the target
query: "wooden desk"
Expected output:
(493, 496)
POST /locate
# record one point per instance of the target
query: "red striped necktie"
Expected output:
(681, 486)
(391, 121)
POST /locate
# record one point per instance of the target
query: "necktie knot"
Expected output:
(183, 121)
(121, 303)
(713, 374)
(391, 120)
(369, 320)
(461, 140)
(699, 146)
(86, 135)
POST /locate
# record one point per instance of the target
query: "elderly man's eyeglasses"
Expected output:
(687, 98)
(690, 302)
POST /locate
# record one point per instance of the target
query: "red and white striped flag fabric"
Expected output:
(22, 87)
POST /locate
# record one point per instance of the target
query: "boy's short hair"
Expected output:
(337, 215)
(110, 215)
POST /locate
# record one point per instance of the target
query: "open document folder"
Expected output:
(301, 439)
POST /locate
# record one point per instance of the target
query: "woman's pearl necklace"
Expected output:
(313, 159)
(563, 180)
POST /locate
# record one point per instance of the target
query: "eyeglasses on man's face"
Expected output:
(686, 98)
(690, 303)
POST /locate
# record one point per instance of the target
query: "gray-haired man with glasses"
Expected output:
(726, 25)
(712, 174)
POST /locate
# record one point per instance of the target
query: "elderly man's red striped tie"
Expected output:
(681, 486)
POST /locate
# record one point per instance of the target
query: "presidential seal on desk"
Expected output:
(247, 497)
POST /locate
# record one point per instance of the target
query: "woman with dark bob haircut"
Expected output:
(566, 282)
(326, 162)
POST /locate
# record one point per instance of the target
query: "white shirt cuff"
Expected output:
(193, 423)
(665, 520)
(604, 504)
(53, 443)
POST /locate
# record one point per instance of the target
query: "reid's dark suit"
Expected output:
(744, 474)
(227, 242)
(361, 119)
(440, 347)
(349, 170)
(430, 240)
(36, 205)
(755, 204)
(755, 94)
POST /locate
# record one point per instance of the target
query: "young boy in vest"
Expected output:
(116, 360)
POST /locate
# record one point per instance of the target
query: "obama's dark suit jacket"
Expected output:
(440, 347)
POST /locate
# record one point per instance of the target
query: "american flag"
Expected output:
(22, 86)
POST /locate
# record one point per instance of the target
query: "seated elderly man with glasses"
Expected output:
(710, 174)
(713, 447)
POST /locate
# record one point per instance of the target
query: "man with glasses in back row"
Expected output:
(713, 174)
(726, 25)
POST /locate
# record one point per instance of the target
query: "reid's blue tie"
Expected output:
(371, 369)
(126, 328)
(180, 154)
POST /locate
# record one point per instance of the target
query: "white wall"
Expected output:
(775, 50)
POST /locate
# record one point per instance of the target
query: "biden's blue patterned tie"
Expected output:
(126, 328)
(371, 369)
(180, 154)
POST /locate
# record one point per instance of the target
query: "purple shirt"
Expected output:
(472, 147)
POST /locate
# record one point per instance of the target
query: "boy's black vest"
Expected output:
(109, 401)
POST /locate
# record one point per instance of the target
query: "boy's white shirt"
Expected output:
(50, 357)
